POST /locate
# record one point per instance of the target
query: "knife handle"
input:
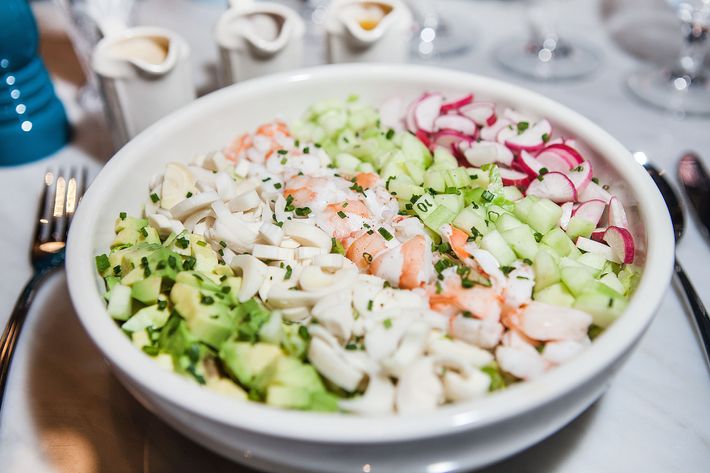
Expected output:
(702, 321)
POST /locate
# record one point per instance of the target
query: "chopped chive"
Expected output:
(303, 332)
(306, 150)
(288, 273)
(207, 300)
(154, 197)
(162, 304)
(277, 185)
(172, 262)
(188, 195)
(390, 134)
(545, 137)
(370, 303)
(282, 151)
(266, 179)
(522, 126)
(117, 269)
(387, 323)
(341, 214)
(284, 161)
(189, 263)
(538, 236)
(385, 234)
(102, 263)
(466, 283)
(303, 211)
(488, 196)
(367, 257)
(122, 215)
(202, 243)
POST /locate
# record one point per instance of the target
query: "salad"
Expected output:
(373, 260)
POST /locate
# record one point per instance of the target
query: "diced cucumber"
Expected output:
(512, 193)
(576, 278)
(404, 190)
(546, 269)
(522, 241)
(579, 227)
(478, 177)
(473, 196)
(443, 159)
(457, 178)
(541, 214)
(602, 303)
(470, 218)
(494, 243)
(506, 222)
(366, 167)
(119, 303)
(424, 205)
(391, 169)
(613, 282)
(451, 201)
(440, 216)
(415, 171)
(558, 240)
(347, 162)
(415, 151)
(555, 294)
(435, 179)
(593, 261)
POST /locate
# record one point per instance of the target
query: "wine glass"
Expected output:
(684, 87)
(544, 55)
(435, 36)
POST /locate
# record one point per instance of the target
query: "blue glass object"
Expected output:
(32, 119)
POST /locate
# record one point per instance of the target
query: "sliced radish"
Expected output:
(566, 215)
(554, 161)
(532, 139)
(490, 132)
(598, 234)
(449, 139)
(594, 191)
(423, 137)
(617, 214)
(426, 111)
(622, 242)
(591, 210)
(391, 113)
(456, 123)
(456, 103)
(554, 186)
(482, 113)
(528, 164)
(516, 116)
(483, 152)
(591, 246)
(511, 177)
(409, 121)
(564, 150)
(581, 176)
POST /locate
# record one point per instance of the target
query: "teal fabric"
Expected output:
(33, 124)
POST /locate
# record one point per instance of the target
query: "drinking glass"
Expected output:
(544, 55)
(683, 88)
(435, 36)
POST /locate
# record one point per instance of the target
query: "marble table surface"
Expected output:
(64, 412)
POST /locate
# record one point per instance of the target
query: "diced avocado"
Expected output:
(135, 275)
(197, 279)
(151, 316)
(226, 387)
(293, 341)
(147, 290)
(119, 303)
(207, 258)
(234, 283)
(521, 240)
(127, 236)
(558, 240)
(296, 385)
(246, 361)
(555, 294)
(129, 222)
(579, 227)
(151, 236)
(546, 269)
(249, 317)
(602, 303)
(209, 320)
(140, 339)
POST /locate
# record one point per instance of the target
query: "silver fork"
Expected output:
(61, 194)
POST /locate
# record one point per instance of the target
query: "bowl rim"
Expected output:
(348, 429)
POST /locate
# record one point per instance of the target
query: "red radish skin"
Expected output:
(424, 138)
(482, 113)
(484, 152)
(581, 176)
(426, 111)
(554, 161)
(554, 186)
(597, 248)
(622, 242)
(591, 210)
(598, 234)
(532, 139)
(528, 164)
(456, 103)
(594, 191)
(564, 150)
(449, 139)
(489, 133)
(567, 208)
(511, 177)
(456, 123)
(617, 214)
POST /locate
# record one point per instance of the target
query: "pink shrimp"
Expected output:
(451, 298)
(363, 247)
(407, 266)
(342, 219)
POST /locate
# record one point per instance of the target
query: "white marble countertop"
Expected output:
(64, 411)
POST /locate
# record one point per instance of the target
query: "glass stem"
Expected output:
(428, 14)
(692, 54)
(541, 21)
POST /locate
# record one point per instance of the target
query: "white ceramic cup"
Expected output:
(258, 38)
(144, 74)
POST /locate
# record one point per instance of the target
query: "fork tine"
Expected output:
(59, 208)
(44, 218)
(76, 185)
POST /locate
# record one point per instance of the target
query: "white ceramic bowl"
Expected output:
(455, 438)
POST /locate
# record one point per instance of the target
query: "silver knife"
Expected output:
(696, 184)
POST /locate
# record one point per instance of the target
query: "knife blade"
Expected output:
(696, 184)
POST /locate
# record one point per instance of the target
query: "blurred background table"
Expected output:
(65, 412)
